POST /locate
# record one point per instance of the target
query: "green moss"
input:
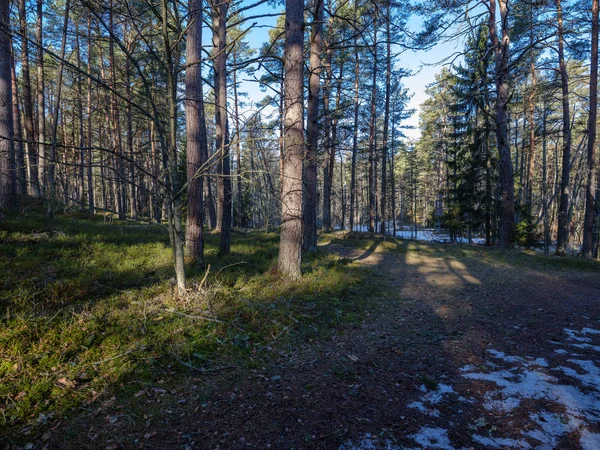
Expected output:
(87, 306)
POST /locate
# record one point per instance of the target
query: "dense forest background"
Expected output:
(137, 109)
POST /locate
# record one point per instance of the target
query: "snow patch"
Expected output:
(433, 437)
(491, 442)
(369, 442)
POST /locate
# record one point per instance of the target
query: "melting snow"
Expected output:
(431, 437)
(491, 442)
(574, 401)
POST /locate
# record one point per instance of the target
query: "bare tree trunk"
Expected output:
(562, 238)
(51, 163)
(590, 189)
(290, 247)
(174, 185)
(90, 173)
(309, 211)
(531, 154)
(129, 117)
(238, 147)
(81, 168)
(21, 172)
(355, 125)
(196, 134)
(501, 54)
(115, 123)
(32, 154)
(8, 191)
(329, 158)
(41, 167)
(372, 142)
(224, 212)
(386, 121)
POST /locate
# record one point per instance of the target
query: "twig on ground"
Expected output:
(199, 317)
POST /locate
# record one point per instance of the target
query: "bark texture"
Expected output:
(290, 248)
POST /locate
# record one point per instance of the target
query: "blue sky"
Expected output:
(423, 64)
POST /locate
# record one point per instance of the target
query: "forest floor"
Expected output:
(384, 344)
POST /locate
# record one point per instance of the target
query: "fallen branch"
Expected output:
(199, 317)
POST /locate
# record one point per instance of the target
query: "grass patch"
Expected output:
(86, 307)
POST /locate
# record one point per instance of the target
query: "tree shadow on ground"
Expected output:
(432, 310)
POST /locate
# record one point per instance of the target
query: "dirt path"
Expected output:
(457, 352)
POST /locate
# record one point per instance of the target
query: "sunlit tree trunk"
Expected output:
(196, 134)
(290, 247)
(386, 120)
(309, 211)
(224, 213)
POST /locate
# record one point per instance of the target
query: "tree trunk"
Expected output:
(531, 153)
(80, 120)
(327, 144)
(21, 172)
(90, 158)
(309, 211)
(238, 146)
(290, 247)
(372, 144)
(562, 236)
(386, 120)
(590, 207)
(8, 200)
(41, 175)
(174, 185)
(196, 134)
(224, 212)
(51, 162)
(355, 125)
(501, 54)
(32, 154)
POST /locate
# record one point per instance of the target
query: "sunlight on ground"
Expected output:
(441, 272)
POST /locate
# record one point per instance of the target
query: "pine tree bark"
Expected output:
(531, 153)
(224, 197)
(32, 154)
(328, 143)
(21, 167)
(355, 125)
(238, 145)
(386, 120)
(174, 185)
(196, 134)
(8, 200)
(41, 96)
(590, 188)
(309, 212)
(290, 247)
(51, 162)
(501, 55)
(90, 158)
(562, 235)
(372, 131)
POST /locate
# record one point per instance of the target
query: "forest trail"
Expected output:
(458, 351)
